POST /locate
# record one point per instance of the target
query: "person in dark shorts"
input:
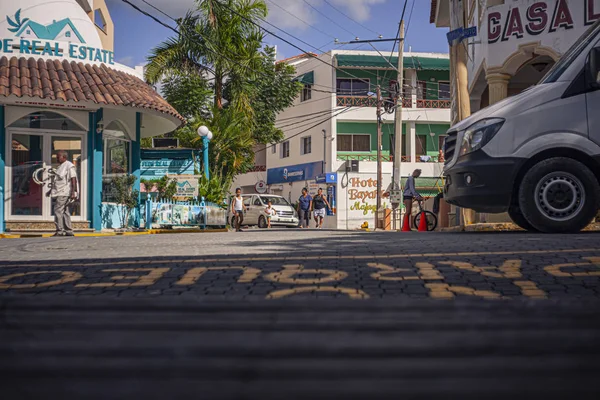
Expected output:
(320, 204)
(410, 191)
(304, 206)
(238, 209)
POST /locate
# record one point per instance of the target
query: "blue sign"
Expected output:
(331, 177)
(294, 173)
(320, 178)
(460, 34)
(158, 163)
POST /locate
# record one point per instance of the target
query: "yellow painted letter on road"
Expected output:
(67, 276)
(355, 294)
(445, 291)
(426, 271)
(153, 274)
(192, 276)
(511, 269)
(289, 273)
(558, 269)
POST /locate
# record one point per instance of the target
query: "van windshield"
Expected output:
(275, 200)
(565, 61)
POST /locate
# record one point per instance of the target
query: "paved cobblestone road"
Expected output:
(321, 264)
(290, 314)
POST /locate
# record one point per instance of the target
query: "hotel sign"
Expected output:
(540, 17)
(32, 38)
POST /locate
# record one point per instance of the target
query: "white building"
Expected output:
(332, 126)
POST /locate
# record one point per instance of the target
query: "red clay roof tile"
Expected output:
(73, 82)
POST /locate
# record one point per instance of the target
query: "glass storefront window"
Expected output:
(27, 156)
(72, 145)
(117, 157)
(46, 120)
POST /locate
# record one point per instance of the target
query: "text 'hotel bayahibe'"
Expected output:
(61, 89)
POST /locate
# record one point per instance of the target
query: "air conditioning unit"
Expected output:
(352, 166)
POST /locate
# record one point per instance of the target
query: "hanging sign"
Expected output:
(261, 187)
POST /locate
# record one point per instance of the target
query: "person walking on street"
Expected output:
(304, 206)
(410, 192)
(64, 193)
(319, 206)
(238, 209)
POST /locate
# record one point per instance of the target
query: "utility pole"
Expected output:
(324, 151)
(379, 174)
(461, 107)
(397, 177)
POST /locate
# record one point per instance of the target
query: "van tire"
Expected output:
(262, 222)
(559, 195)
(519, 219)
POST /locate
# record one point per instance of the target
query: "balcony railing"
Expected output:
(258, 168)
(422, 103)
(356, 101)
(389, 158)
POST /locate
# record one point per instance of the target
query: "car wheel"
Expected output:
(559, 195)
(519, 219)
(262, 222)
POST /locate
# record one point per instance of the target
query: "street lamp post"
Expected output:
(206, 136)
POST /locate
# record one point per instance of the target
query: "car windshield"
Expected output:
(565, 61)
(275, 200)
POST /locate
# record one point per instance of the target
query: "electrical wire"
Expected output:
(300, 19)
(330, 20)
(350, 18)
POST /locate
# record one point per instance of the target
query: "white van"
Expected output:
(536, 154)
(255, 211)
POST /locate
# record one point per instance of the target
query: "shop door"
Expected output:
(26, 199)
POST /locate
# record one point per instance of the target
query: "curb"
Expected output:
(106, 234)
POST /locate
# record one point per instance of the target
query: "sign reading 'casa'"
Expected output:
(539, 17)
(33, 38)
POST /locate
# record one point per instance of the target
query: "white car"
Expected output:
(256, 215)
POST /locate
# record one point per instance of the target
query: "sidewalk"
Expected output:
(503, 227)
(102, 234)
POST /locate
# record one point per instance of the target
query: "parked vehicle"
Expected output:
(536, 154)
(255, 211)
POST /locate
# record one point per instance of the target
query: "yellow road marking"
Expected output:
(445, 291)
(308, 258)
(290, 271)
(510, 268)
(153, 275)
(356, 294)
(530, 289)
(556, 269)
(67, 276)
(192, 276)
(426, 272)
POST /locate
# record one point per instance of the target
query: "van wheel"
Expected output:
(262, 222)
(559, 195)
(519, 219)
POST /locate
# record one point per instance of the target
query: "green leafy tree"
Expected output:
(189, 94)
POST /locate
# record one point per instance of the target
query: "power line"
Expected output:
(306, 130)
(331, 20)
(398, 34)
(304, 115)
(300, 19)
(350, 18)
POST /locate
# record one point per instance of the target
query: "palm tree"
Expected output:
(216, 38)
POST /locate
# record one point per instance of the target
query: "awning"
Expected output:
(307, 78)
(410, 62)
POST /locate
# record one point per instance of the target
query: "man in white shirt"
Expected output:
(64, 192)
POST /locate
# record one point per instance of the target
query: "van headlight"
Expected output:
(479, 134)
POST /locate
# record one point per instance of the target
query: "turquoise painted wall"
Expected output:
(371, 129)
(432, 143)
(432, 78)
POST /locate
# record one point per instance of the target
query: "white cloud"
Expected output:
(358, 9)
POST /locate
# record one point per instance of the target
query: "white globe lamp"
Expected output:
(209, 136)
(203, 131)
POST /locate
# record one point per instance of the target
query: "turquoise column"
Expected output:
(95, 155)
(136, 163)
(2, 169)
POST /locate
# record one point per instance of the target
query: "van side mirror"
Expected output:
(593, 68)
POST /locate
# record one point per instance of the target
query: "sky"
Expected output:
(316, 22)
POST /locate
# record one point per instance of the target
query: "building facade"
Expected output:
(61, 89)
(331, 130)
